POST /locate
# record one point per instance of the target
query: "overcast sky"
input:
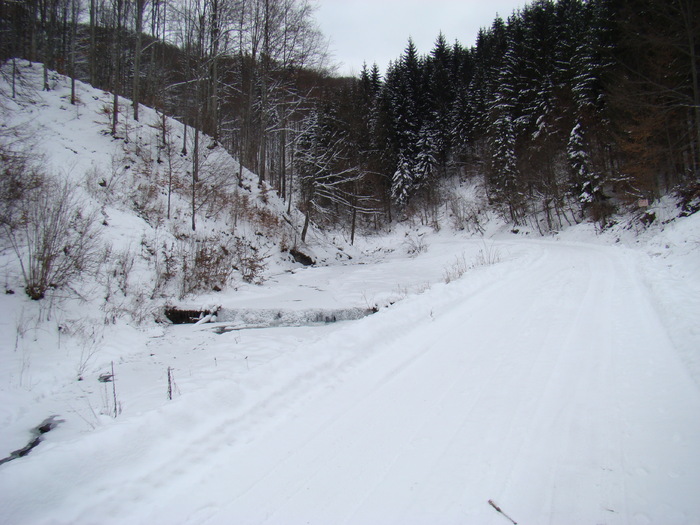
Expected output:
(378, 30)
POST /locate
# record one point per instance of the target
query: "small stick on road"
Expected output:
(500, 511)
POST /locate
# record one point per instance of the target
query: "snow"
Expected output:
(559, 379)
(547, 382)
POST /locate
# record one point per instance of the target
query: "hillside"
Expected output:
(138, 186)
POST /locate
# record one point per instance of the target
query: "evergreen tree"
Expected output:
(460, 111)
(586, 181)
(426, 164)
(404, 180)
(503, 172)
(404, 83)
(441, 79)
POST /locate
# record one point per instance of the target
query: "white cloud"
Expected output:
(378, 30)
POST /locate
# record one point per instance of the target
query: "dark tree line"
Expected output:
(568, 108)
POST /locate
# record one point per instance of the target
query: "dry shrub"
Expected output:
(689, 196)
(488, 255)
(249, 262)
(262, 220)
(206, 265)
(146, 203)
(116, 272)
(458, 268)
(55, 240)
(165, 266)
(268, 224)
(18, 178)
(465, 215)
(415, 245)
(600, 212)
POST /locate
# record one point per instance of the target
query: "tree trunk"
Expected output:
(32, 30)
(354, 221)
(167, 146)
(74, 24)
(48, 21)
(213, 116)
(14, 76)
(116, 63)
(283, 160)
(195, 174)
(93, 51)
(307, 219)
(696, 93)
(140, 5)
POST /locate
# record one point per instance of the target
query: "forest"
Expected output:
(568, 109)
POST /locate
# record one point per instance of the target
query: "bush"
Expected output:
(249, 262)
(465, 215)
(456, 270)
(206, 265)
(53, 238)
(488, 255)
(18, 177)
(415, 245)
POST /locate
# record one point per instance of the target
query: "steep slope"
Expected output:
(139, 181)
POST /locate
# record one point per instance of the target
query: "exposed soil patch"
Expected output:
(301, 257)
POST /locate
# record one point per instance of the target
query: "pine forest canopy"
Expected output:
(568, 108)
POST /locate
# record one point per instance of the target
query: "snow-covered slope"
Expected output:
(139, 183)
(556, 377)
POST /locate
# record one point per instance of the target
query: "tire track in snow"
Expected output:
(448, 453)
(553, 415)
(380, 383)
(570, 486)
(504, 286)
(614, 347)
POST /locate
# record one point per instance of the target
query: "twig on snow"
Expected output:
(498, 509)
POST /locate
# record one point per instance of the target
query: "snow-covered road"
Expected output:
(546, 383)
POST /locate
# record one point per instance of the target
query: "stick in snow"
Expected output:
(499, 510)
(114, 391)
